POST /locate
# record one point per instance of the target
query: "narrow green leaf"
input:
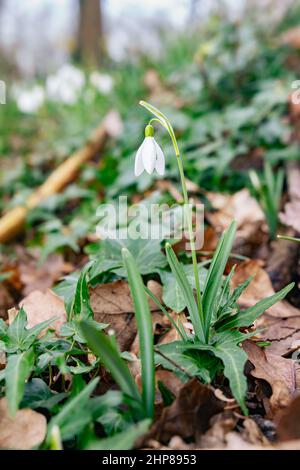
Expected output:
(187, 292)
(215, 274)
(123, 441)
(145, 332)
(247, 317)
(18, 369)
(81, 306)
(102, 346)
(73, 411)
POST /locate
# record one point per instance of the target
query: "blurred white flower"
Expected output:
(29, 100)
(102, 82)
(149, 156)
(66, 84)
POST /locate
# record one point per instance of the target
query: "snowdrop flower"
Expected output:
(149, 156)
(102, 82)
(30, 100)
(65, 84)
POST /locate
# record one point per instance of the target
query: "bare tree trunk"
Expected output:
(90, 44)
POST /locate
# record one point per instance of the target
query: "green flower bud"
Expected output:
(149, 131)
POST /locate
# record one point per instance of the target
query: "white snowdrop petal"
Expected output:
(149, 154)
(160, 160)
(138, 164)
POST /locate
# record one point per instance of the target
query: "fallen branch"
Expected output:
(12, 223)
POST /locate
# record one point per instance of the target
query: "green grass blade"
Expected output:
(186, 291)
(102, 346)
(215, 274)
(145, 331)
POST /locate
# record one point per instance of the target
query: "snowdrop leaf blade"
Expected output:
(144, 324)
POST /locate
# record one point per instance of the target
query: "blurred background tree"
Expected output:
(90, 40)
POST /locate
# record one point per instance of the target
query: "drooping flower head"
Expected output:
(149, 156)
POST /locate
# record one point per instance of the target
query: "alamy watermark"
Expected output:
(2, 92)
(150, 221)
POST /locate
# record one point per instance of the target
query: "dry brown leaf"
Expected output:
(6, 301)
(41, 306)
(215, 437)
(282, 262)
(259, 288)
(112, 304)
(283, 333)
(26, 431)
(172, 334)
(170, 380)
(277, 371)
(288, 422)
(35, 277)
(160, 324)
(290, 216)
(235, 441)
(240, 206)
(189, 414)
(253, 434)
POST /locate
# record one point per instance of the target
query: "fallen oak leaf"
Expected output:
(189, 414)
(240, 206)
(282, 333)
(288, 422)
(277, 371)
(24, 432)
(260, 288)
(112, 304)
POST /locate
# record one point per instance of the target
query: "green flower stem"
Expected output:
(286, 237)
(163, 120)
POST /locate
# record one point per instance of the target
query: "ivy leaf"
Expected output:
(18, 369)
(147, 254)
(37, 394)
(73, 416)
(123, 441)
(18, 337)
